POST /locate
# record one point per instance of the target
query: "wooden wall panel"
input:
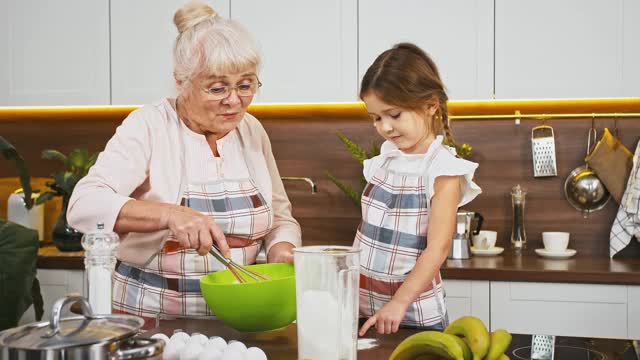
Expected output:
(309, 148)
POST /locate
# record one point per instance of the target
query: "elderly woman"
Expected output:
(184, 174)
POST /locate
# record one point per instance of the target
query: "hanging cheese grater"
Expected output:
(542, 347)
(543, 149)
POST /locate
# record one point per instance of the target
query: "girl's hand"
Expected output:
(386, 320)
(281, 252)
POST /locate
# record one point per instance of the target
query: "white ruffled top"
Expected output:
(444, 163)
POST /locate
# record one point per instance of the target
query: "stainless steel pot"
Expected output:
(80, 337)
(583, 189)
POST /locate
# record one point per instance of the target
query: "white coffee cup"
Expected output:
(555, 241)
(486, 239)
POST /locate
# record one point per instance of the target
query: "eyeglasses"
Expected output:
(223, 91)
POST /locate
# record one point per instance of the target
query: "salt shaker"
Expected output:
(518, 234)
(100, 261)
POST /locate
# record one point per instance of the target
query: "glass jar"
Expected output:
(327, 301)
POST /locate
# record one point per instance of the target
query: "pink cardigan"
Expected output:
(143, 161)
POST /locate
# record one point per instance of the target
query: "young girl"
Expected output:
(414, 189)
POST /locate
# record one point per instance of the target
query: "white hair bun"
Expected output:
(191, 14)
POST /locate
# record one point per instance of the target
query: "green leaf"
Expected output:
(10, 153)
(64, 182)
(356, 151)
(18, 254)
(55, 155)
(349, 191)
(45, 196)
(90, 163)
(78, 158)
(363, 182)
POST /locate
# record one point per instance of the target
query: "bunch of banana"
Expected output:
(465, 339)
(431, 345)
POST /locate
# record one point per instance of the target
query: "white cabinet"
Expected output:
(55, 284)
(631, 50)
(582, 310)
(142, 40)
(468, 297)
(634, 312)
(309, 48)
(567, 49)
(54, 52)
(457, 34)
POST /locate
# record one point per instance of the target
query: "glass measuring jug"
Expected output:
(327, 301)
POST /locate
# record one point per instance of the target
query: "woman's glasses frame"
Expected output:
(223, 91)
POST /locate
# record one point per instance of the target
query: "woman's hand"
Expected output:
(386, 320)
(195, 230)
(281, 252)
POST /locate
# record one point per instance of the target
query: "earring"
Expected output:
(438, 115)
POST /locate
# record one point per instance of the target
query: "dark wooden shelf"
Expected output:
(505, 267)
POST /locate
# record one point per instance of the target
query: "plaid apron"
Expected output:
(169, 285)
(391, 236)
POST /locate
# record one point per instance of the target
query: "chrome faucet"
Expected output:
(314, 189)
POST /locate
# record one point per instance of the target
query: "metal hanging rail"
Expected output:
(546, 116)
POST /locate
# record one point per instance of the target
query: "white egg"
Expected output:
(172, 350)
(199, 338)
(237, 345)
(191, 352)
(232, 354)
(181, 335)
(218, 341)
(255, 353)
(161, 336)
(210, 352)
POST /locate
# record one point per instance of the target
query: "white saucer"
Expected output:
(496, 250)
(567, 253)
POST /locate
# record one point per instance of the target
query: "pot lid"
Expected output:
(71, 332)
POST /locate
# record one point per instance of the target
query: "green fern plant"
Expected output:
(358, 153)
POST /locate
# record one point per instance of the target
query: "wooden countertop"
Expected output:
(531, 267)
(505, 267)
(282, 344)
(49, 257)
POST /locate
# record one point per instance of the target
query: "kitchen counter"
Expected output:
(505, 267)
(282, 344)
(49, 257)
(531, 267)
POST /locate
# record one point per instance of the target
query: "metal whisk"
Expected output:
(241, 273)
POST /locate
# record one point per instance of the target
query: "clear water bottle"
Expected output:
(100, 262)
(518, 234)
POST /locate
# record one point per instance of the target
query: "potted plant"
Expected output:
(77, 164)
(10, 153)
(360, 154)
(19, 286)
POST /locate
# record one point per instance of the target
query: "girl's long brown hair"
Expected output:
(405, 76)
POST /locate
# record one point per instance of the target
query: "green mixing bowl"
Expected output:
(253, 306)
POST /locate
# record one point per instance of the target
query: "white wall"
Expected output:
(76, 52)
